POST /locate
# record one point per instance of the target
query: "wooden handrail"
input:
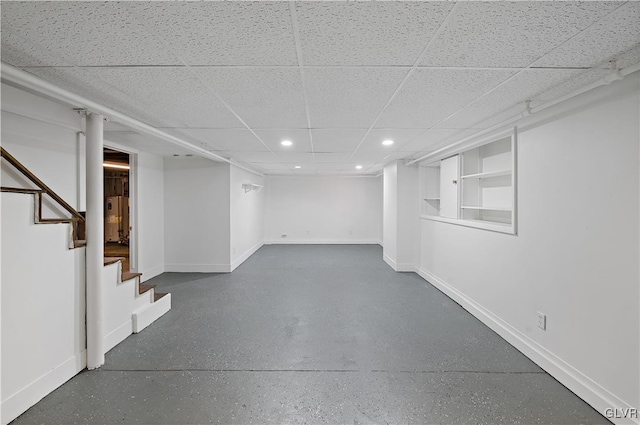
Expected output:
(46, 189)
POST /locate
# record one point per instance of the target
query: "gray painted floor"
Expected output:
(312, 334)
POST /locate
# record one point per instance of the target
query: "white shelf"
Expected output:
(486, 208)
(488, 175)
(431, 199)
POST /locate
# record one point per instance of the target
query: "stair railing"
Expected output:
(77, 220)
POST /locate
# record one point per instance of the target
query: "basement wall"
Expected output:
(150, 219)
(575, 257)
(196, 215)
(323, 210)
(247, 215)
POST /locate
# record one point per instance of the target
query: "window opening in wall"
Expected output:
(475, 187)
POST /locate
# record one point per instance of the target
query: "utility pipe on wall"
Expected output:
(18, 78)
(614, 75)
(95, 240)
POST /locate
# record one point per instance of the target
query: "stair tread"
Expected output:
(112, 260)
(142, 288)
(158, 295)
(129, 275)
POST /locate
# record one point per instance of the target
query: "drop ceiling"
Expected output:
(335, 78)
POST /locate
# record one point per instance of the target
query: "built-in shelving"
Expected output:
(467, 207)
(479, 184)
(488, 175)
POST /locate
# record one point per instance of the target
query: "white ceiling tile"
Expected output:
(349, 97)
(430, 95)
(175, 92)
(221, 32)
(273, 137)
(630, 57)
(511, 95)
(254, 157)
(367, 33)
(234, 140)
(608, 38)
(434, 137)
(295, 157)
(85, 33)
(19, 52)
(333, 157)
(337, 140)
(509, 34)
(574, 83)
(262, 97)
(80, 82)
(370, 157)
(400, 137)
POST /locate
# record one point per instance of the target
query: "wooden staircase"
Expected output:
(125, 276)
(132, 313)
(76, 220)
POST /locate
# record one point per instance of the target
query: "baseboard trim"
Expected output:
(118, 335)
(583, 386)
(248, 253)
(286, 241)
(390, 262)
(405, 267)
(151, 273)
(150, 313)
(21, 401)
(399, 267)
(198, 268)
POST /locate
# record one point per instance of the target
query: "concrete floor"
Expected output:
(312, 334)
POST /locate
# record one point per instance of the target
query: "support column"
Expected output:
(95, 240)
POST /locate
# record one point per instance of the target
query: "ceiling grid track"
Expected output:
(208, 87)
(296, 37)
(404, 80)
(521, 70)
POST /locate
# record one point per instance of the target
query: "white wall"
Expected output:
(43, 288)
(196, 215)
(247, 216)
(44, 136)
(44, 300)
(323, 209)
(150, 218)
(400, 211)
(575, 257)
(390, 214)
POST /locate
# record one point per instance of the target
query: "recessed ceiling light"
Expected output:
(358, 167)
(297, 166)
(388, 142)
(286, 143)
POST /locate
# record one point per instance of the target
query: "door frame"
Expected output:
(133, 200)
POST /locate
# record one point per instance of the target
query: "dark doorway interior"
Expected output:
(116, 206)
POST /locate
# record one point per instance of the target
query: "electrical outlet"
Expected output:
(542, 321)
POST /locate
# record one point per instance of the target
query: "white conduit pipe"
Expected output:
(613, 76)
(25, 80)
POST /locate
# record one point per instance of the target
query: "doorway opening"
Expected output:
(117, 212)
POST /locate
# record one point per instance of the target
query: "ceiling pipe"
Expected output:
(614, 75)
(21, 79)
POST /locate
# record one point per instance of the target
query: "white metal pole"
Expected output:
(95, 240)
